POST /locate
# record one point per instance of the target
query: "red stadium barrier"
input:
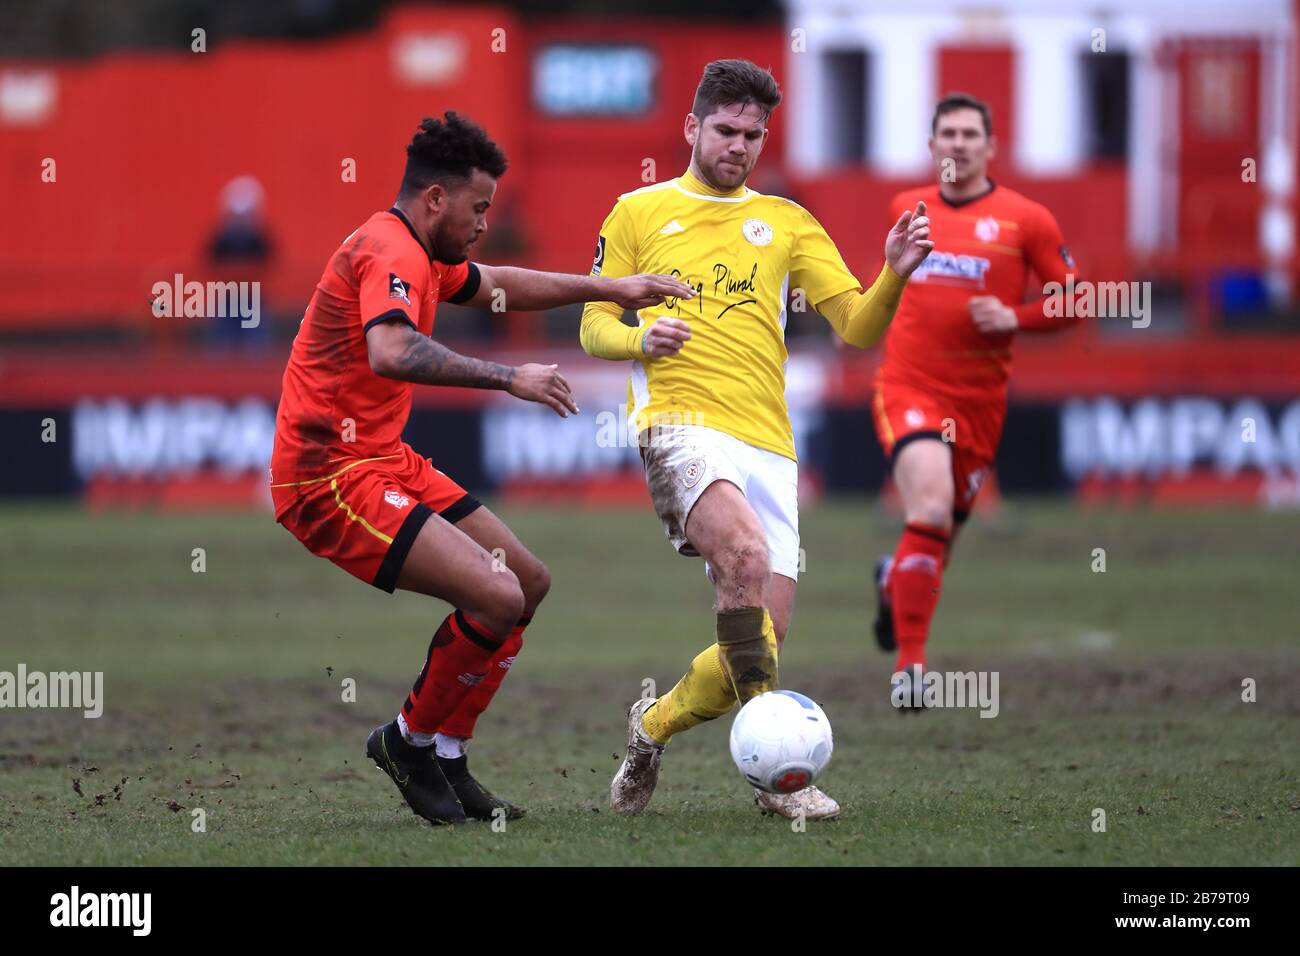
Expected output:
(143, 143)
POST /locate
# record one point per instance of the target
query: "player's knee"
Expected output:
(501, 603)
(935, 511)
(535, 582)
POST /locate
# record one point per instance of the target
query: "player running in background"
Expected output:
(346, 485)
(941, 392)
(707, 394)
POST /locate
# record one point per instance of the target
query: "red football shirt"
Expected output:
(986, 245)
(333, 408)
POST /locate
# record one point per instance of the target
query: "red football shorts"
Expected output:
(972, 428)
(366, 515)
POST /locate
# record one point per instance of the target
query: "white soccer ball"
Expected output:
(781, 741)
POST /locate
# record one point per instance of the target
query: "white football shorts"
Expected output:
(681, 461)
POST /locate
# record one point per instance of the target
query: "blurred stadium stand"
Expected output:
(1139, 150)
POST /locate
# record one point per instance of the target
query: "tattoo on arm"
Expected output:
(424, 361)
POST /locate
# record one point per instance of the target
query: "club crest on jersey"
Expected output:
(986, 229)
(396, 499)
(756, 232)
(1067, 258)
(914, 417)
(397, 289)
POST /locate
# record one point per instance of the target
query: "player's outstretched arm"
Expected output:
(527, 290)
(861, 318)
(604, 336)
(398, 351)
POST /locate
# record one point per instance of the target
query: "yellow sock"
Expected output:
(748, 648)
(703, 693)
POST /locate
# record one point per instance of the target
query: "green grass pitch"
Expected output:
(1120, 690)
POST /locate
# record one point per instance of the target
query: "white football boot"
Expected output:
(808, 803)
(634, 784)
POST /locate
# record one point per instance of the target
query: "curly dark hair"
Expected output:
(727, 82)
(449, 149)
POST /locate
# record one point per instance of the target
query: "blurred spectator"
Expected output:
(241, 251)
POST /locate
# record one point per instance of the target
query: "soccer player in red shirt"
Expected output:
(941, 391)
(345, 484)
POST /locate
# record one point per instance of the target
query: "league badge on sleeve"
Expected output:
(397, 289)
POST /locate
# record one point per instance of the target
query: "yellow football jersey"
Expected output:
(742, 252)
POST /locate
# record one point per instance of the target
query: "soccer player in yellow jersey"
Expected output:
(707, 394)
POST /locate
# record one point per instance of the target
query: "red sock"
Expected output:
(458, 660)
(914, 583)
(462, 719)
